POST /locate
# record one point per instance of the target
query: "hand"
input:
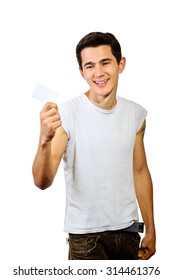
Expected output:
(147, 247)
(50, 120)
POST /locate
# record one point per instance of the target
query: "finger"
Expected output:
(141, 253)
(54, 118)
(49, 113)
(49, 105)
(146, 255)
(57, 124)
(54, 125)
(53, 112)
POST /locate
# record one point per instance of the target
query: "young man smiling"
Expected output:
(100, 137)
(101, 70)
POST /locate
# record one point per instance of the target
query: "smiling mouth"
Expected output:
(101, 82)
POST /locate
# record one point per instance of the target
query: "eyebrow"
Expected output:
(101, 61)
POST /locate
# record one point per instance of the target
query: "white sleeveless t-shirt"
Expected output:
(98, 164)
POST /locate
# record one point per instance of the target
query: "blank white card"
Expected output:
(44, 94)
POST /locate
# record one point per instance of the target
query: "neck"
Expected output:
(103, 102)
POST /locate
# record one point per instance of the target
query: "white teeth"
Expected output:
(100, 83)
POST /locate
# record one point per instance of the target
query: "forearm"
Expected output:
(144, 193)
(52, 144)
(42, 169)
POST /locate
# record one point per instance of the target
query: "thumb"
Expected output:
(141, 253)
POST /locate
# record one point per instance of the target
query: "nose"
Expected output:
(99, 71)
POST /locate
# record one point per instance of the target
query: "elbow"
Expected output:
(42, 185)
(40, 181)
(141, 170)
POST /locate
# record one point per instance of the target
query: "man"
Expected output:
(100, 137)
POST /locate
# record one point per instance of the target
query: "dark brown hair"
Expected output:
(95, 39)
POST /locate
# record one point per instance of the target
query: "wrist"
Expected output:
(150, 229)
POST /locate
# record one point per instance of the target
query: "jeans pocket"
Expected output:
(135, 236)
(82, 245)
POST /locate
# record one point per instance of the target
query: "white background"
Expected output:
(37, 45)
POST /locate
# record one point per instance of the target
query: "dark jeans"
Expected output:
(109, 245)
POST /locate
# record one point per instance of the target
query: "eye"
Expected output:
(106, 62)
(89, 66)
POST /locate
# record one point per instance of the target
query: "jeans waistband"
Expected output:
(135, 227)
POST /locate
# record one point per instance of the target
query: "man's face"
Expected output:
(101, 70)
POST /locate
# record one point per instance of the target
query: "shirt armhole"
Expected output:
(141, 120)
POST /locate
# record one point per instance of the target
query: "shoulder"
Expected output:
(134, 111)
(70, 105)
(132, 107)
(72, 101)
(130, 104)
(69, 111)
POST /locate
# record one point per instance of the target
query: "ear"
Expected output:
(122, 64)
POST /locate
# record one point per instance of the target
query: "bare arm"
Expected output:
(144, 193)
(52, 145)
